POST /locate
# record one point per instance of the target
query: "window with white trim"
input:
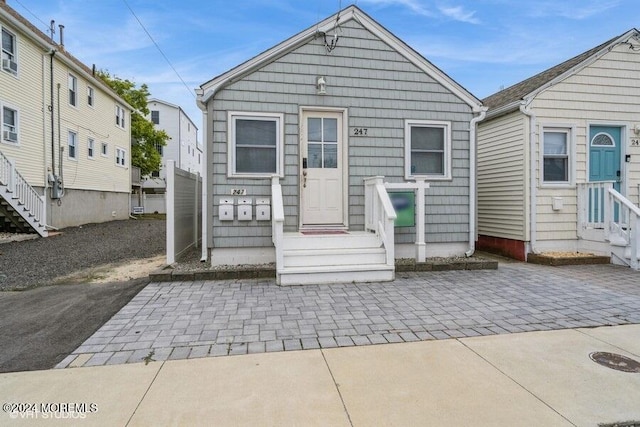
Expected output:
(72, 145)
(90, 96)
(556, 156)
(9, 61)
(73, 90)
(9, 125)
(120, 116)
(155, 117)
(427, 149)
(121, 156)
(255, 144)
(90, 147)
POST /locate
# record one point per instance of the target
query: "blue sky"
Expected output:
(482, 44)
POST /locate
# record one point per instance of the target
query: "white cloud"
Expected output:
(569, 9)
(458, 13)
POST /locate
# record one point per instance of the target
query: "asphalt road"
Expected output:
(42, 320)
(40, 327)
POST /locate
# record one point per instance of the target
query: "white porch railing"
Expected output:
(277, 220)
(592, 205)
(623, 218)
(379, 215)
(20, 190)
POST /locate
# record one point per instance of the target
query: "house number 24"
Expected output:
(360, 131)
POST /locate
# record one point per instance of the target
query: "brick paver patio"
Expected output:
(180, 320)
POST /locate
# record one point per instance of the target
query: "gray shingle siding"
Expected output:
(381, 89)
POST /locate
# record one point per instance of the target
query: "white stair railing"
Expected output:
(592, 205)
(623, 218)
(32, 203)
(277, 221)
(379, 215)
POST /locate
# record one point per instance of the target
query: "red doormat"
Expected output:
(321, 232)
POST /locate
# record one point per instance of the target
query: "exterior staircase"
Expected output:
(22, 209)
(333, 258)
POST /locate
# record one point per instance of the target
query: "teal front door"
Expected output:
(604, 164)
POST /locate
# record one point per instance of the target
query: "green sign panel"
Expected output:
(405, 205)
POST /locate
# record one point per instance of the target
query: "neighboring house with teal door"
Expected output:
(304, 142)
(559, 158)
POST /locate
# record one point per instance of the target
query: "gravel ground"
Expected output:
(42, 261)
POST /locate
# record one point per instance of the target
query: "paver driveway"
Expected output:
(181, 320)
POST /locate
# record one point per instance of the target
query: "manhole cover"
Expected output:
(616, 361)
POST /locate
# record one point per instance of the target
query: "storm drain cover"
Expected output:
(616, 361)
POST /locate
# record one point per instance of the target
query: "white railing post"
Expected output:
(421, 247)
(277, 221)
(11, 184)
(380, 215)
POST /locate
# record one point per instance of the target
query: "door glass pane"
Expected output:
(315, 156)
(602, 140)
(330, 130)
(314, 130)
(330, 155)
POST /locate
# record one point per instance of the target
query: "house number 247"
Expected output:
(360, 131)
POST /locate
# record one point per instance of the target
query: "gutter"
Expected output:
(472, 179)
(525, 108)
(202, 102)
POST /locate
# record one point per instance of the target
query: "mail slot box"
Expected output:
(245, 209)
(225, 210)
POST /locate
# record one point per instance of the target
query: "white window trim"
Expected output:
(91, 91)
(408, 124)
(120, 116)
(119, 150)
(15, 51)
(104, 153)
(16, 125)
(75, 158)
(91, 144)
(571, 152)
(231, 143)
(75, 89)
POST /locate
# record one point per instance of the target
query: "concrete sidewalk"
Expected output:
(522, 379)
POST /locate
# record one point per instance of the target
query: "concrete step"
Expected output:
(334, 257)
(335, 274)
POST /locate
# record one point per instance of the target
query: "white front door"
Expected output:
(321, 180)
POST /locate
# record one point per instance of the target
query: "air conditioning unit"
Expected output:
(10, 65)
(9, 136)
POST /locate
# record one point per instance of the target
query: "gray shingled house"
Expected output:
(559, 158)
(315, 147)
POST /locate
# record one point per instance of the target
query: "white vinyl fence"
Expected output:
(184, 211)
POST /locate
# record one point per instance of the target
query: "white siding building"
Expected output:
(183, 146)
(65, 143)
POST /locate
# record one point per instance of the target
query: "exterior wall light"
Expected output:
(321, 86)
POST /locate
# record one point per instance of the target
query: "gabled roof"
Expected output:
(44, 41)
(208, 89)
(510, 99)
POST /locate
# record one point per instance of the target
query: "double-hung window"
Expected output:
(104, 149)
(121, 156)
(556, 164)
(9, 125)
(90, 96)
(155, 117)
(255, 144)
(9, 62)
(72, 144)
(427, 149)
(90, 147)
(120, 116)
(73, 90)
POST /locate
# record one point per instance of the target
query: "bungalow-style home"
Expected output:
(305, 143)
(183, 147)
(559, 158)
(65, 145)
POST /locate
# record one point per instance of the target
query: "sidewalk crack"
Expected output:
(344, 405)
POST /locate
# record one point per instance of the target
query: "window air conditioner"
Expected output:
(9, 136)
(9, 65)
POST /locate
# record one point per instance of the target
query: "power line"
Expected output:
(34, 15)
(158, 47)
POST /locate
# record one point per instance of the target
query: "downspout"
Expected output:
(525, 108)
(53, 123)
(472, 179)
(205, 176)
